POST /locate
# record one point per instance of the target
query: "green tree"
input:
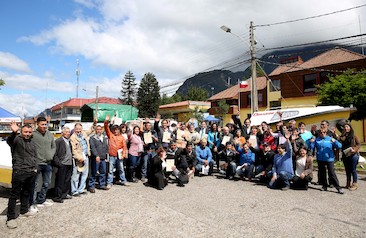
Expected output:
(197, 114)
(2, 82)
(128, 91)
(197, 94)
(222, 109)
(177, 97)
(343, 90)
(148, 96)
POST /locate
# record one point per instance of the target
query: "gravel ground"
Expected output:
(206, 207)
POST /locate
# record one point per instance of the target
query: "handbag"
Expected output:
(361, 160)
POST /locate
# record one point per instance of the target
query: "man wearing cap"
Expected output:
(263, 161)
(80, 151)
(116, 143)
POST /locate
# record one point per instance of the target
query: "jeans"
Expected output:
(133, 161)
(78, 179)
(114, 162)
(22, 184)
(98, 172)
(248, 171)
(231, 170)
(283, 180)
(350, 165)
(331, 174)
(46, 171)
(144, 162)
(200, 165)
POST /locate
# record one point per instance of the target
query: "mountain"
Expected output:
(216, 81)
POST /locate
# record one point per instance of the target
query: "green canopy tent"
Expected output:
(124, 112)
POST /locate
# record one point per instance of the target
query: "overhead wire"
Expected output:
(311, 17)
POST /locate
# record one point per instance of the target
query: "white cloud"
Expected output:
(32, 82)
(21, 104)
(10, 61)
(174, 39)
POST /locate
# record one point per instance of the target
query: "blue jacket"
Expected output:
(248, 158)
(203, 154)
(284, 162)
(211, 139)
(324, 148)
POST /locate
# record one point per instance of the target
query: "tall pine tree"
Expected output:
(128, 91)
(148, 96)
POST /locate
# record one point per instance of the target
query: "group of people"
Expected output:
(152, 152)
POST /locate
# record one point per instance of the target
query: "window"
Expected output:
(309, 83)
(214, 104)
(275, 104)
(260, 99)
(275, 85)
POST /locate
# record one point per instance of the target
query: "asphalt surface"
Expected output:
(206, 207)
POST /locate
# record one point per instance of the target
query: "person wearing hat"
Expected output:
(80, 152)
(263, 161)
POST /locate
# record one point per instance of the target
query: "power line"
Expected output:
(314, 43)
(307, 18)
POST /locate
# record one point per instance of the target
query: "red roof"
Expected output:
(79, 102)
(330, 57)
(232, 92)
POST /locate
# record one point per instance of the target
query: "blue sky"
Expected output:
(41, 40)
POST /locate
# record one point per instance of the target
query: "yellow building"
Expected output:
(183, 111)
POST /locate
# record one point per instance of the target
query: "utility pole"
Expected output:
(96, 102)
(77, 78)
(254, 98)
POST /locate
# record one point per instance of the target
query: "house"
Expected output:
(69, 111)
(182, 111)
(294, 83)
(231, 97)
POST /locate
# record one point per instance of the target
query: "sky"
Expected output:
(41, 41)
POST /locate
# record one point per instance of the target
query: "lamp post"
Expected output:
(254, 92)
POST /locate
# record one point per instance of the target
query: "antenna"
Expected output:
(77, 78)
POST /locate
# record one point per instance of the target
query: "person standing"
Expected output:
(325, 145)
(116, 143)
(350, 145)
(63, 162)
(24, 154)
(99, 151)
(150, 139)
(46, 148)
(134, 153)
(80, 152)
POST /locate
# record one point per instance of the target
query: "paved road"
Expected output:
(206, 207)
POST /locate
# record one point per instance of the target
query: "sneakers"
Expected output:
(92, 190)
(109, 186)
(340, 191)
(285, 188)
(45, 204)
(12, 224)
(30, 213)
(33, 209)
(143, 179)
(126, 184)
(68, 196)
(323, 189)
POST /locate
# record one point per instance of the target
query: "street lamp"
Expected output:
(254, 92)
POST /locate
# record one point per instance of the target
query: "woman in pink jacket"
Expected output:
(135, 152)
